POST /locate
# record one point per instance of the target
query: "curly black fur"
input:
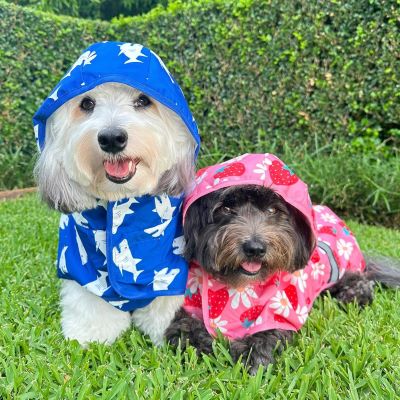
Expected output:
(185, 329)
(353, 287)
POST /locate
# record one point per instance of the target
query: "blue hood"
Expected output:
(127, 63)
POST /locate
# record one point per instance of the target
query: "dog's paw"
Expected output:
(354, 287)
(253, 355)
(186, 330)
(259, 349)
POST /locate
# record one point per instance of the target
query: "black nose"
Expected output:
(254, 248)
(112, 140)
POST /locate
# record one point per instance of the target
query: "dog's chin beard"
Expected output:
(120, 170)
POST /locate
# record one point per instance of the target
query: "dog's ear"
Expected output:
(198, 216)
(56, 188)
(178, 179)
(305, 240)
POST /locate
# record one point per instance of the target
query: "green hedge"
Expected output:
(280, 73)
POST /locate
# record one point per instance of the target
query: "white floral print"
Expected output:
(196, 280)
(319, 209)
(281, 304)
(344, 248)
(327, 217)
(317, 269)
(298, 278)
(218, 324)
(242, 295)
(302, 313)
(262, 167)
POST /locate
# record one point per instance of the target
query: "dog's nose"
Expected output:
(254, 248)
(112, 140)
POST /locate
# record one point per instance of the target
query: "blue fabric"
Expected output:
(119, 255)
(131, 64)
(127, 252)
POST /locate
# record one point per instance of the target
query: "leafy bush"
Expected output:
(302, 78)
(92, 9)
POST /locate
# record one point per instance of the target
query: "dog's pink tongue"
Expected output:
(118, 169)
(251, 266)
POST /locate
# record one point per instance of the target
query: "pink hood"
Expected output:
(255, 169)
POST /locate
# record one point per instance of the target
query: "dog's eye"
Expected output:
(228, 210)
(87, 104)
(272, 210)
(142, 101)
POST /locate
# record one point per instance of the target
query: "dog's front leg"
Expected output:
(88, 318)
(258, 349)
(185, 329)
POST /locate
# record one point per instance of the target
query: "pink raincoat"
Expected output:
(283, 300)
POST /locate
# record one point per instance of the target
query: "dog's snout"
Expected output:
(254, 248)
(112, 140)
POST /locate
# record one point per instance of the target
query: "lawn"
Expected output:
(339, 354)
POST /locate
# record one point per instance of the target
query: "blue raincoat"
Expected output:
(127, 252)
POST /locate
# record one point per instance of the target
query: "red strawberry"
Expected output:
(279, 318)
(291, 293)
(234, 169)
(328, 229)
(193, 299)
(315, 256)
(217, 301)
(250, 315)
(281, 174)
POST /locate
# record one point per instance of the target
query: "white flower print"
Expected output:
(317, 269)
(216, 323)
(344, 248)
(281, 304)
(298, 278)
(242, 294)
(196, 281)
(319, 209)
(262, 168)
(302, 313)
(327, 217)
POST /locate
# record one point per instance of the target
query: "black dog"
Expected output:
(252, 224)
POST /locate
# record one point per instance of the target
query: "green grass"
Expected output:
(338, 354)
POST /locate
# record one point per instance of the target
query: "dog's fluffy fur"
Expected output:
(216, 228)
(71, 177)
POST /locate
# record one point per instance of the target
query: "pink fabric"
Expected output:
(284, 300)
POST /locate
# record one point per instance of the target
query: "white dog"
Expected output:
(117, 137)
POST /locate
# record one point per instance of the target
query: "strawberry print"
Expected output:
(291, 293)
(234, 169)
(192, 299)
(217, 300)
(330, 230)
(249, 316)
(315, 256)
(281, 174)
(279, 318)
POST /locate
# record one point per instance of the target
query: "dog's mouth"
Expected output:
(122, 170)
(250, 268)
